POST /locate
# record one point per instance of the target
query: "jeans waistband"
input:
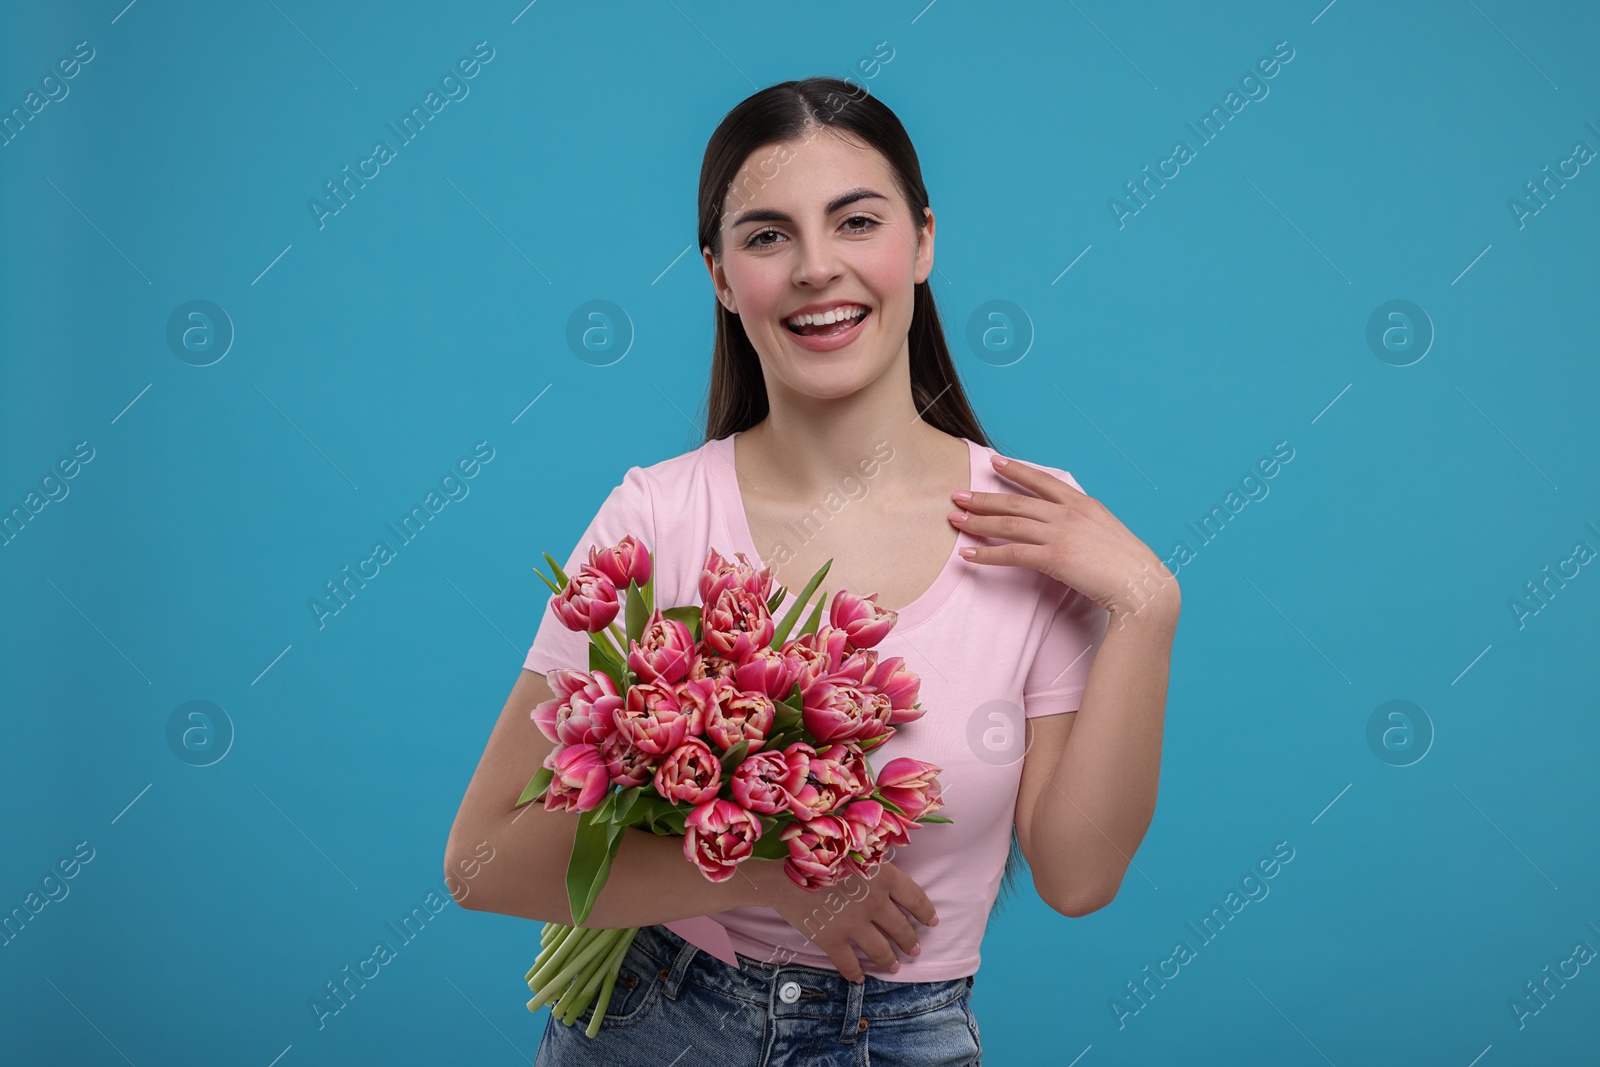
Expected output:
(822, 993)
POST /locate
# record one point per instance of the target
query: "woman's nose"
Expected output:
(817, 264)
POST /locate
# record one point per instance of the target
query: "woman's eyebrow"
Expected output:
(773, 215)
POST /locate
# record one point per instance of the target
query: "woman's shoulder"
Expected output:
(1008, 486)
(670, 486)
(678, 472)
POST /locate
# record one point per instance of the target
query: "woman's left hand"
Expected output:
(1069, 536)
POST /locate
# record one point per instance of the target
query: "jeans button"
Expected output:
(789, 992)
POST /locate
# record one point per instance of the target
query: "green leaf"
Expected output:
(555, 569)
(537, 785)
(769, 846)
(638, 615)
(554, 588)
(935, 818)
(627, 803)
(673, 820)
(734, 756)
(601, 660)
(594, 846)
(873, 742)
(689, 616)
(816, 617)
(785, 716)
(886, 802)
(781, 634)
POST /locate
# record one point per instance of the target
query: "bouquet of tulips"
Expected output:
(710, 722)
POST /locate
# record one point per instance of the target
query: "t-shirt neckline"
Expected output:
(731, 501)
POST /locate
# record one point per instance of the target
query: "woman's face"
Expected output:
(815, 224)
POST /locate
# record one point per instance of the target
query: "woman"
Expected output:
(834, 397)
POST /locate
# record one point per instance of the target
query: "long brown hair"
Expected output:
(793, 110)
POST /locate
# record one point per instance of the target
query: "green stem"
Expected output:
(547, 970)
(596, 975)
(561, 933)
(568, 982)
(610, 983)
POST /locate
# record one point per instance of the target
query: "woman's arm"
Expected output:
(1088, 787)
(1089, 779)
(650, 880)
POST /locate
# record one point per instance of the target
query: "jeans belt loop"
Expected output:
(854, 1022)
(672, 978)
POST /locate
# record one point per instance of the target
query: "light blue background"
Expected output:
(1227, 315)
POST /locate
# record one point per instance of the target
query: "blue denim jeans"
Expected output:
(674, 1004)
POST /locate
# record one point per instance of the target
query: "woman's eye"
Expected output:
(756, 240)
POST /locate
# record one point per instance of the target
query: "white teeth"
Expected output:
(827, 317)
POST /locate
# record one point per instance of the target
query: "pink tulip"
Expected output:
(718, 574)
(627, 765)
(766, 670)
(580, 781)
(663, 652)
(581, 712)
(690, 773)
(736, 623)
(841, 712)
(628, 561)
(855, 668)
(718, 836)
(911, 785)
(890, 677)
(818, 851)
(652, 719)
(818, 654)
(862, 620)
(821, 781)
(588, 603)
(709, 665)
(758, 783)
(740, 717)
(873, 828)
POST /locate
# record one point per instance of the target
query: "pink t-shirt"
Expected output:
(992, 645)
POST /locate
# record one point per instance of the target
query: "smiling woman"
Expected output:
(818, 239)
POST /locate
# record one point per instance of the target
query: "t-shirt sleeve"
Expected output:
(1060, 669)
(627, 510)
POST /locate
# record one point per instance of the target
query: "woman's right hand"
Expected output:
(871, 915)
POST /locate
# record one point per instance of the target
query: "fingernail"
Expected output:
(961, 496)
(967, 553)
(895, 966)
(1000, 461)
(934, 921)
(958, 516)
(916, 950)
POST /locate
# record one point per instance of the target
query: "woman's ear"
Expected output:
(924, 262)
(719, 281)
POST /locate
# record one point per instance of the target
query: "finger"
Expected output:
(1013, 554)
(1006, 504)
(871, 941)
(1007, 527)
(845, 960)
(893, 922)
(1042, 482)
(909, 895)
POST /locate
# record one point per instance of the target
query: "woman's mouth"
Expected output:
(832, 329)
